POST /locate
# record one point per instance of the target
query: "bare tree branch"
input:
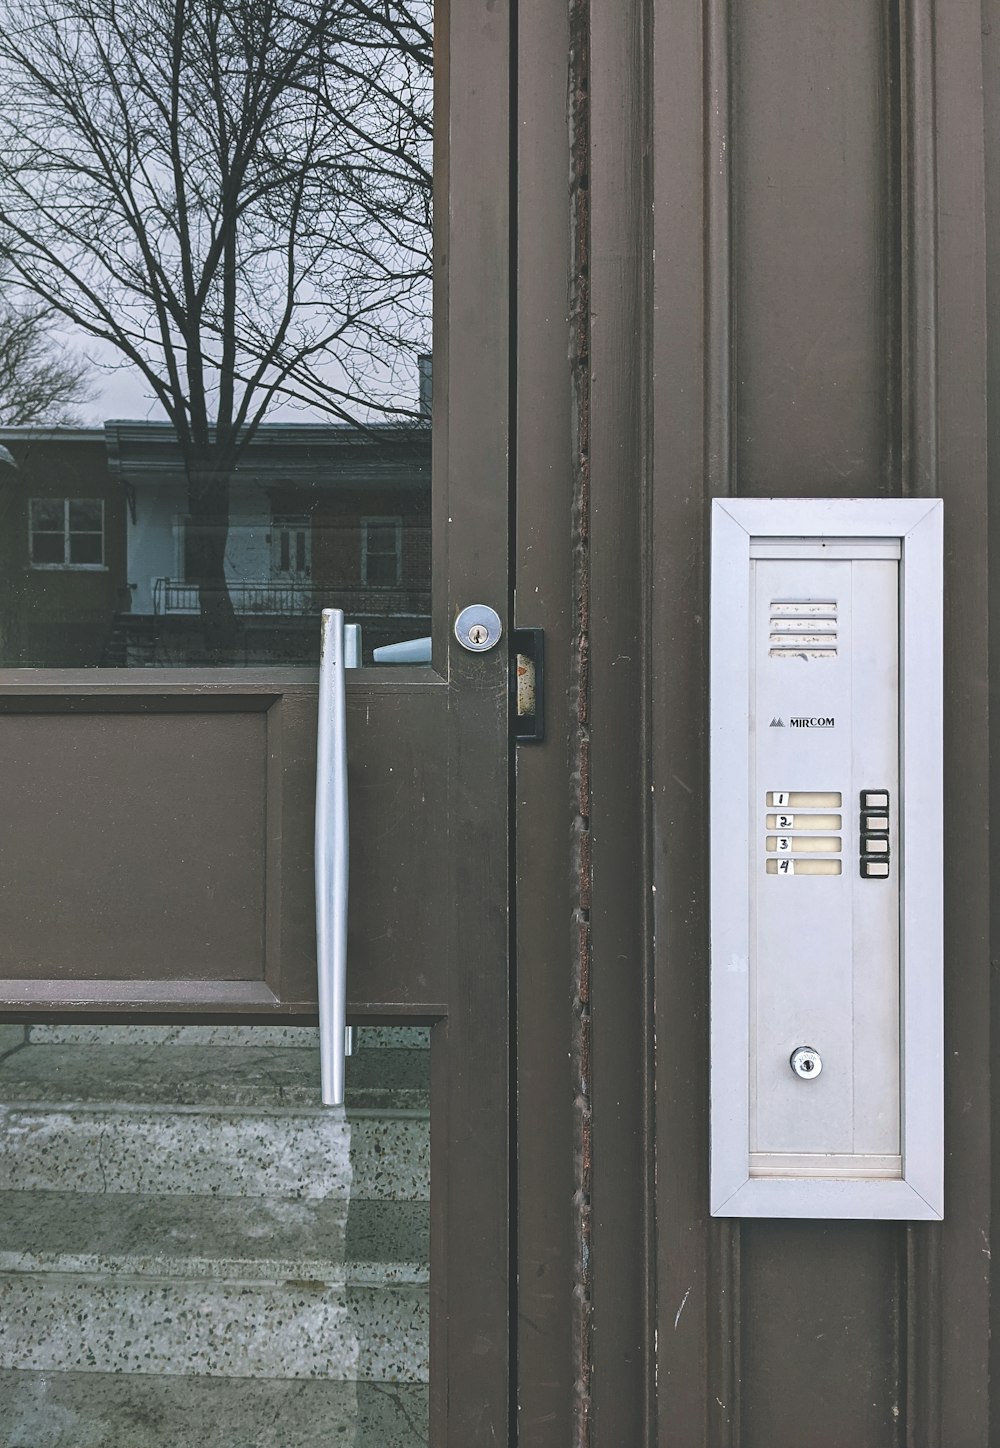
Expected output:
(40, 382)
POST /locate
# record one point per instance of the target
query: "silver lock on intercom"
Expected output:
(826, 858)
(806, 1063)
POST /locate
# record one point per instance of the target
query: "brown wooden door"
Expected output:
(781, 263)
(790, 289)
(156, 824)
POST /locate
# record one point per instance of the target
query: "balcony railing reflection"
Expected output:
(290, 599)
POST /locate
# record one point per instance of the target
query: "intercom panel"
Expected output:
(826, 858)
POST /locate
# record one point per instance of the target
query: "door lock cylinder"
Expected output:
(806, 1062)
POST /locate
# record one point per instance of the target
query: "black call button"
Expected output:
(874, 834)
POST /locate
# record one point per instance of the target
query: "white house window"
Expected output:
(66, 532)
(291, 547)
(381, 552)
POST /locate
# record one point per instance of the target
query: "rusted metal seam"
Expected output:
(579, 120)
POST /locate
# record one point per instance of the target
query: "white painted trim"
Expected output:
(827, 517)
(729, 882)
(917, 524)
(858, 1200)
(921, 838)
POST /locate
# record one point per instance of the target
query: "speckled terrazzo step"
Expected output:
(360, 1243)
(179, 1216)
(228, 1077)
(308, 1153)
(96, 1410)
(296, 1329)
(12, 1038)
(368, 1037)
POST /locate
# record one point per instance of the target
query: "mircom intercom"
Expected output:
(826, 839)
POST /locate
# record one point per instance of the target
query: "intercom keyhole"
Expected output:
(806, 1062)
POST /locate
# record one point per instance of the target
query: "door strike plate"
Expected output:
(527, 664)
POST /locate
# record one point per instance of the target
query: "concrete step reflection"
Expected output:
(178, 1214)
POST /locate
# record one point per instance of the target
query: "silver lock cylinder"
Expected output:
(806, 1062)
(478, 628)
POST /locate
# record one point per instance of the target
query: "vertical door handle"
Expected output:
(332, 850)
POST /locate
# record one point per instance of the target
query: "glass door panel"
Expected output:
(215, 332)
(240, 316)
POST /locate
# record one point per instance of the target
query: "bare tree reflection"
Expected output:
(235, 195)
(40, 381)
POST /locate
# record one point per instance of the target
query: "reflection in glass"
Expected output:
(195, 1251)
(66, 532)
(215, 223)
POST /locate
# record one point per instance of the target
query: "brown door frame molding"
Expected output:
(585, 1164)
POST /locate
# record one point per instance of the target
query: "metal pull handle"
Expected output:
(332, 851)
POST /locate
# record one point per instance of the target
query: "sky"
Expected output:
(122, 393)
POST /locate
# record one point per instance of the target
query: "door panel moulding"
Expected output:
(922, 157)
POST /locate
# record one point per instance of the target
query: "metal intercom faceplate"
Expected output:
(826, 858)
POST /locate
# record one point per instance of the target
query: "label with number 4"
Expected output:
(786, 867)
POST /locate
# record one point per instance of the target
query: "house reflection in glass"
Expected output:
(94, 543)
